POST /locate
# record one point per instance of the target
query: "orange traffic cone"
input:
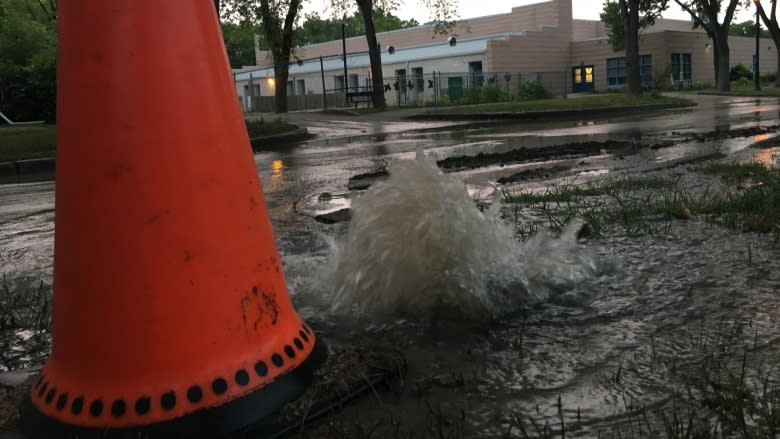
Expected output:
(171, 312)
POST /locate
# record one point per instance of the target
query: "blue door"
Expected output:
(582, 78)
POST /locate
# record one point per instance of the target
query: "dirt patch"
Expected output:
(10, 398)
(349, 372)
(534, 174)
(523, 155)
(364, 181)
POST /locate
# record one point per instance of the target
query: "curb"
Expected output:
(533, 115)
(269, 142)
(27, 170)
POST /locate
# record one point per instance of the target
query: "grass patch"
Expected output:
(738, 172)
(261, 128)
(21, 142)
(638, 206)
(594, 102)
(742, 89)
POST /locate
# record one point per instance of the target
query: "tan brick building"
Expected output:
(536, 42)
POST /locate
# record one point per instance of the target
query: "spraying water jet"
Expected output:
(418, 247)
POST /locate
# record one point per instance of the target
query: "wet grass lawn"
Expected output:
(22, 142)
(594, 102)
(261, 127)
(19, 142)
(744, 196)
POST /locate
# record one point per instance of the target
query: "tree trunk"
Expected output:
(281, 74)
(774, 30)
(374, 54)
(715, 60)
(630, 14)
(723, 70)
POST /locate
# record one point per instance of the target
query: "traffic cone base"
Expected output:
(253, 410)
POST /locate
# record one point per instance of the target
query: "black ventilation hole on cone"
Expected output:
(118, 408)
(42, 390)
(298, 343)
(168, 400)
(50, 395)
(304, 336)
(38, 382)
(242, 378)
(277, 360)
(261, 369)
(194, 394)
(306, 328)
(77, 406)
(96, 409)
(289, 351)
(219, 386)
(143, 405)
(62, 401)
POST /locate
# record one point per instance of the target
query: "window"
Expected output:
(246, 90)
(681, 66)
(616, 72)
(686, 67)
(646, 68)
(475, 68)
(290, 88)
(257, 90)
(401, 74)
(338, 83)
(353, 82)
(419, 81)
(301, 87)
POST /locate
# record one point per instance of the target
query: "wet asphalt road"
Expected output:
(294, 177)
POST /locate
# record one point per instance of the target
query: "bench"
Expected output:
(356, 97)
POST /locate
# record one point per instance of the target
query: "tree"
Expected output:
(774, 30)
(746, 29)
(28, 46)
(240, 43)
(316, 29)
(276, 19)
(444, 18)
(624, 20)
(705, 14)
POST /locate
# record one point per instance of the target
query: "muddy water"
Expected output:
(609, 343)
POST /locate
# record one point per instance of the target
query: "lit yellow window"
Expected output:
(588, 74)
(578, 76)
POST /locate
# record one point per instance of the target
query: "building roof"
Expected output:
(361, 60)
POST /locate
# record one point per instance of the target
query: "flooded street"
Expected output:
(605, 346)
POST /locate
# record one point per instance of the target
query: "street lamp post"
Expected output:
(757, 70)
(344, 49)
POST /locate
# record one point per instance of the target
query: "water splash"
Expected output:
(417, 246)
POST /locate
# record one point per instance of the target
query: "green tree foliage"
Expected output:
(610, 16)
(747, 29)
(276, 19)
(240, 43)
(444, 18)
(316, 29)
(28, 42)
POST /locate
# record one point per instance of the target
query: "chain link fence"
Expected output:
(415, 88)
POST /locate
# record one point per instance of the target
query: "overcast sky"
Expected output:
(584, 9)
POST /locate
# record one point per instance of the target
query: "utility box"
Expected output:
(455, 87)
